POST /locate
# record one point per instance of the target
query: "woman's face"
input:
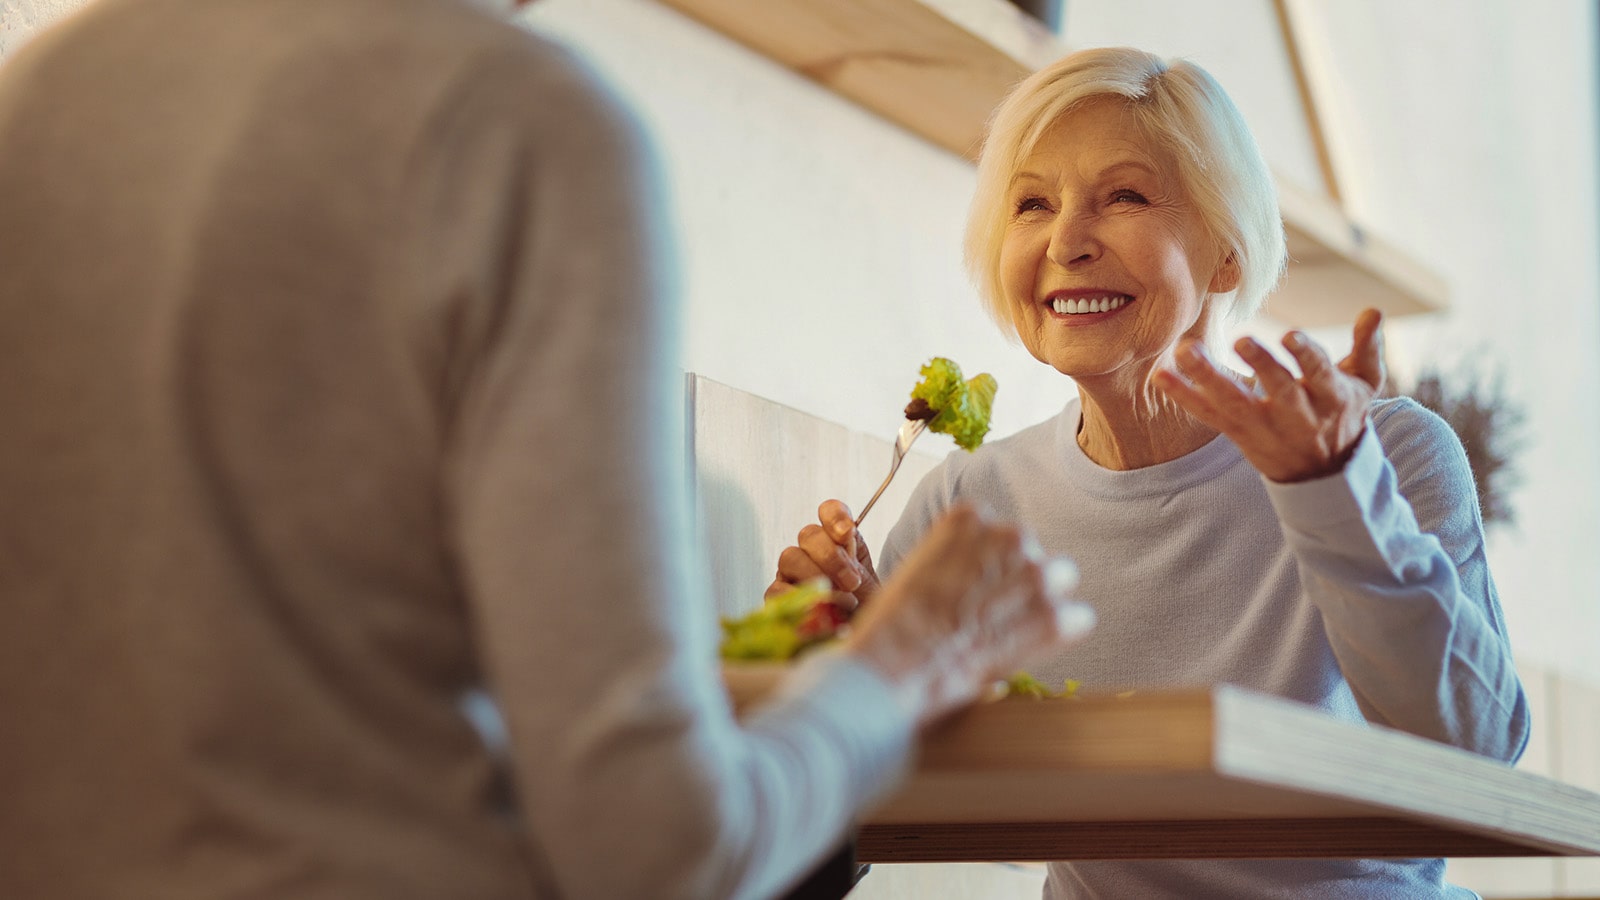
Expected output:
(1099, 223)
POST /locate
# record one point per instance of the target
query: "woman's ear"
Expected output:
(1227, 276)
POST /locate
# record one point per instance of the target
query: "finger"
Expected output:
(1366, 354)
(869, 574)
(1317, 372)
(863, 552)
(1187, 396)
(845, 601)
(1008, 547)
(1035, 605)
(838, 563)
(1273, 376)
(796, 565)
(1058, 580)
(1060, 577)
(1011, 599)
(1222, 391)
(1074, 620)
(839, 522)
(782, 585)
(1032, 550)
(864, 561)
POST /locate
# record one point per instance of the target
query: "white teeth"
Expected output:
(1067, 307)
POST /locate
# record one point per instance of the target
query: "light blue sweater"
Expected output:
(1366, 594)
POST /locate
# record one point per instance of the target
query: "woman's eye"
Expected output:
(1127, 196)
(1029, 204)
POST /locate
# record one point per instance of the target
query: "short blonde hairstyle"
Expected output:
(1181, 110)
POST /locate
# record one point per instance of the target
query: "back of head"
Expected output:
(1185, 114)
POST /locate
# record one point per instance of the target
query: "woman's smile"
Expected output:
(1085, 306)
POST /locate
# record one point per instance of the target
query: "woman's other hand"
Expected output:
(1290, 429)
(832, 549)
(970, 604)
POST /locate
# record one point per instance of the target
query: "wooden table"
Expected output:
(1214, 773)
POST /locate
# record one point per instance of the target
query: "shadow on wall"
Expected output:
(731, 529)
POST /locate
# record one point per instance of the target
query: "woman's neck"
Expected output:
(1130, 429)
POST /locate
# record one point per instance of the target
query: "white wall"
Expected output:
(20, 19)
(1492, 177)
(820, 245)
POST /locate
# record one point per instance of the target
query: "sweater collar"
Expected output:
(1203, 464)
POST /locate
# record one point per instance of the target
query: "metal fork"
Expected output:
(910, 430)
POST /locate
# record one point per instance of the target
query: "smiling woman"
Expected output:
(1101, 237)
(1179, 125)
(1282, 530)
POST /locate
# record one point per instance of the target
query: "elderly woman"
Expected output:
(1285, 531)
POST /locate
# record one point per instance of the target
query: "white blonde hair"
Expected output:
(1181, 110)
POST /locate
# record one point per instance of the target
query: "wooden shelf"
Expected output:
(1216, 773)
(939, 68)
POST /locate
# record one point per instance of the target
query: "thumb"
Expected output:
(1366, 355)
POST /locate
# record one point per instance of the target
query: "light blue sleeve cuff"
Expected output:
(1336, 500)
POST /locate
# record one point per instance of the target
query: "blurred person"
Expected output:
(1284, 530)
(339, 379)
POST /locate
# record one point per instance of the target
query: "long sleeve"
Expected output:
(1366, 596)
(1391, 552)
(567, 500)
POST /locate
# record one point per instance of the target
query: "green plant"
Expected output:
(1489, 424)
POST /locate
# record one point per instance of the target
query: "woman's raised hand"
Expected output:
(1290, 429)
(832, 548)
(969, 605)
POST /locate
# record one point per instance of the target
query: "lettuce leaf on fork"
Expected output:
(958, 408)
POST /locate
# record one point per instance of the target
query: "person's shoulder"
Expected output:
(1418, 442)
(508, 49)
(529, 78)
(1024, 447)
(1403, 421)
(483, 77)
(1040, 437)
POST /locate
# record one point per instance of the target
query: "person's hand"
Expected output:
(1290, 429)
(971, 603)
(832, 549)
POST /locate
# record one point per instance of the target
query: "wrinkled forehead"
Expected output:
(1093, 136)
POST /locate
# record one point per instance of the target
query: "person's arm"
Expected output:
(1391, 551)
(566, 496)
(1390, 548)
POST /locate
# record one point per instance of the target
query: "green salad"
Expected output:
(789, 623)
(952, 406)
(785, 625)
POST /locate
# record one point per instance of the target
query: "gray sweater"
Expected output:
(1366, 594)
(338, 377)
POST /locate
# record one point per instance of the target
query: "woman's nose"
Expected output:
(1073, 240)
